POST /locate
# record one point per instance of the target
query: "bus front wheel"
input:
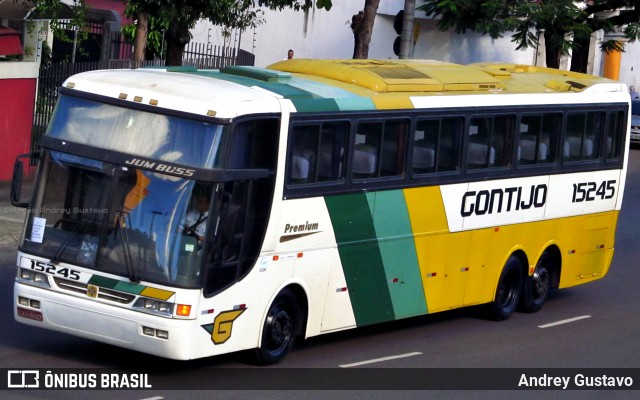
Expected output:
(280, 329)
(508, 291)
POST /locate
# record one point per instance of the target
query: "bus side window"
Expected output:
(393, 145)
(489, 142)
(304, 144)
(317, 152)
(331, 154)
(449, 144)
(379, 149)
(614, 135)
(254, 144)
(537, 138)
(582, 136)
(436, 144)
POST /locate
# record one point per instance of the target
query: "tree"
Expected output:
(61, 17)
(177, 17)
(362, 28)
(567, 25)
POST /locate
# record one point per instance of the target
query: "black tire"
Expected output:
(281, 326)
(508, 291)
(537, 287)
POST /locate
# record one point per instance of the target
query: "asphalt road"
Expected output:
(600, 329)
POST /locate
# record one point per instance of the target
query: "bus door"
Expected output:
(243, 203)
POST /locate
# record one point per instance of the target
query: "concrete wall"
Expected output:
(18, 87)
(327, 34)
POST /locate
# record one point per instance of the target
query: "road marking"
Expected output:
(154, 398)
(376, 360)
(564, 321)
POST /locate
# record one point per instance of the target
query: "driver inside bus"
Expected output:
(195, 222)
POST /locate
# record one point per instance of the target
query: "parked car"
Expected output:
(635, 120)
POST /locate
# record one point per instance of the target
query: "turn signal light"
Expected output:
(183, 310)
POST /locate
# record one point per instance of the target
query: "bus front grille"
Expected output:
(103, 293)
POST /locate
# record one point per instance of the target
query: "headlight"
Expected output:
(152, 306)
(34, 278)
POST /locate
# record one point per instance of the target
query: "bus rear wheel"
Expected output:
(537, 286)
(280, 329)
(508, 291)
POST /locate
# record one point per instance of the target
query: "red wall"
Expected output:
(17, 99)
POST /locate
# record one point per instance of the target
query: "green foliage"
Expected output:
(521, 18)
(155, 38)
(609, 46)
(174, 18)
(632, 31)
(58, 15)
(231, 14)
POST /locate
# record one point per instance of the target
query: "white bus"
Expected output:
(188, 213)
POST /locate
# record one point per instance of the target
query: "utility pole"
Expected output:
(406, 37)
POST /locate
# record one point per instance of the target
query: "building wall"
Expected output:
(630, 65)
(327, 34)
(18, 88)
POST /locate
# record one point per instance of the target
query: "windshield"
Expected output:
(159, 137)
(130, 222)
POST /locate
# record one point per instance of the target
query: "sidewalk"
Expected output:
(11, 218)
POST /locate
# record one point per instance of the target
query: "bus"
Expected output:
(188, 213)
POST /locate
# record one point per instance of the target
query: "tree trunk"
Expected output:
(176, 39)
(362, 27)
(142, 27)
(552, 50)
(580, 55)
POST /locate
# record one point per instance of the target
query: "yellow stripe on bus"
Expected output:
(157, 293)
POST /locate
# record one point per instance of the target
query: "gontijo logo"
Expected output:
(503, 200)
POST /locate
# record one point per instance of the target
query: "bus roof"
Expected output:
(340, 85)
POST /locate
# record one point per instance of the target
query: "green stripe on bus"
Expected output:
(315, 105)
(355, 104)
(285, 90)
(397, 248)
(101, 281)
(360, 258)
(129, 287)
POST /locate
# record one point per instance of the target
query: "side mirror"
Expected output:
(16, 182)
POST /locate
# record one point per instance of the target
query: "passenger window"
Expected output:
(317, 152)
(537, 138)
(436, 144)
(254, 144)
(614, 135)
(379, 149)
(582, 136)
(489, 141)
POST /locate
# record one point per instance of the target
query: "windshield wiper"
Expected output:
(126, 250)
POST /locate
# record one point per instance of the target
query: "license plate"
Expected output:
(30, 314)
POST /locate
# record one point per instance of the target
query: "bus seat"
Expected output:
(364, 159)
(477, 154)
(299, 168)
(423, 157)
(527, 150)
(572, 147)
